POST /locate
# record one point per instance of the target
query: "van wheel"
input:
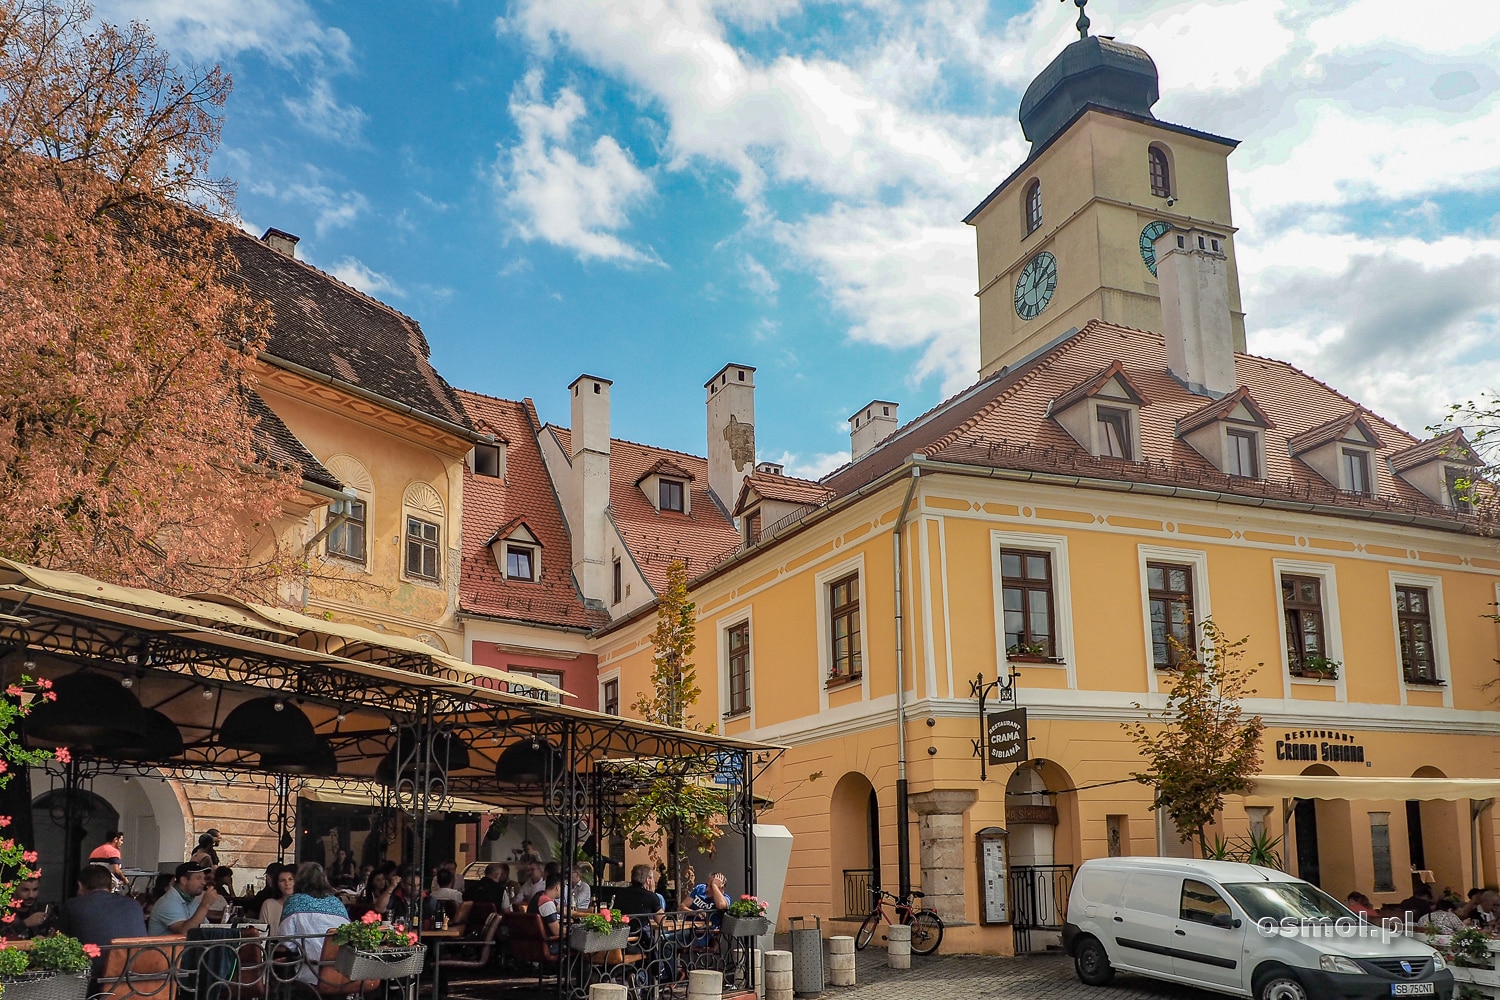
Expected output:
(1280, 984)
(1091, 962)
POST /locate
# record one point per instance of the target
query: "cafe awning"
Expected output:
(1317, 786)
(369, 794)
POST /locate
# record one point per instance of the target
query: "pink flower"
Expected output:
(370, 917)
(50, 695)
(44, 684)
(15, 904)
(4, 822)
(411, 938)
(91, 950)
(62, 755)
(4, 767)
(14, 691)
(605, 913)
(29, 857)
(9, 918)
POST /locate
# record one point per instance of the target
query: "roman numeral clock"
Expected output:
(1035, 286)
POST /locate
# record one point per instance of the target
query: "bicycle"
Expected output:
(926, 926)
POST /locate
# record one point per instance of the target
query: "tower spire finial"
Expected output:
(1083, 19)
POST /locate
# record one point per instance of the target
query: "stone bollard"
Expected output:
(705, 984)
(607, 991)
(841, 960)
(898, 946)
(778, 975)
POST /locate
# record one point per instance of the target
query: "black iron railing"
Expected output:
(859, 883)
(1039, 900)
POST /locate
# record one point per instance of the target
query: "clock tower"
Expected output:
(1070, 235)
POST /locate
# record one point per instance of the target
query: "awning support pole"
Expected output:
(1476, 809)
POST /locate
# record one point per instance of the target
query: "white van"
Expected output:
(1237, 929)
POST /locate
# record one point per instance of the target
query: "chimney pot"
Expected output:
(283, 243)
(870, 425)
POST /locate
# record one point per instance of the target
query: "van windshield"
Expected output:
(1280, 900)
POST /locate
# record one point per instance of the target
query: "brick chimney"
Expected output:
(590, 486)
(1193, 269)
(731, 431)
(872, 424)
(283, 243)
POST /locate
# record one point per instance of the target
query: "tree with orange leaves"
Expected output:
(127, 451)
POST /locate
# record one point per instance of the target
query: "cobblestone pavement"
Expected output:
(971, 977)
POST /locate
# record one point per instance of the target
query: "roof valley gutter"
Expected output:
(903, 812)
(374, 397)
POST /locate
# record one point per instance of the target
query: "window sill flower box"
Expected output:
(47, 985)
(383, 963)
(1413, 680)
(745, 926)
(839, 680)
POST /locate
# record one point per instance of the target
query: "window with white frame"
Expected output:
(1354, 470)
(348, 521)
(1113, 433)
(1175, 601)
(423, 549)
(846, 655)
(670, 494)
(1242, 452)
(520, 562)
(737, 646)
(1414, 627)
(552, 677)
(609, 696)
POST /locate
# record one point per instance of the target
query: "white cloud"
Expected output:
(280, 30)
(352, 271)
(330, 208)
(562, 191)
(320, 113)
(758, 279)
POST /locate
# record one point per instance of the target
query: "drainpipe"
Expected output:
(1476, 810)
(903, 811)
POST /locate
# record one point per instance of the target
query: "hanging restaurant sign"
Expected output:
(1005, 736)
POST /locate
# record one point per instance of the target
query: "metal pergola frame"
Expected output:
(194, 660)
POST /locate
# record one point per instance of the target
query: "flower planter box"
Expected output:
(582, 939)
(47, 986)
(745, 926)
(387, 963)
(1481, 981)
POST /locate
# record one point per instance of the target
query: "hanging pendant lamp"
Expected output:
(268, 725)
(162, 741)
(320, 761)
(92, 711)
(449, 753)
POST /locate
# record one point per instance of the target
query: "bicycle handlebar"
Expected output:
(881, 893)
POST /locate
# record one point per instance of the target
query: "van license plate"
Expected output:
(1412, 989)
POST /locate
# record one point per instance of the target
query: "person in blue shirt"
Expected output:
(187, 904)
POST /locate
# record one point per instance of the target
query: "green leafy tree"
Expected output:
(673, 797)
(1201, 747)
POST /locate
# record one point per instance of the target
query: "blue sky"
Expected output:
(646, 191)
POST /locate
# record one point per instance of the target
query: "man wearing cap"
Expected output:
(186, 904)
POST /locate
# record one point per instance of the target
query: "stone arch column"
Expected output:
(944, 850)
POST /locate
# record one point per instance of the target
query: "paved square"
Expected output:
(971, 977)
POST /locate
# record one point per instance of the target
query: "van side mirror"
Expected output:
(1224, 920)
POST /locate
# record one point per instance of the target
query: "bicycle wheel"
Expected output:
(926, 932)
(867, 930)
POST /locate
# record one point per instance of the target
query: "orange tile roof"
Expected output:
(1222, 407)
(787, 489)
(1333, 430)
(494, 505)
(656, 538)
(1451, 447)
(668, 468)
(1091, 386)
(1002, 422)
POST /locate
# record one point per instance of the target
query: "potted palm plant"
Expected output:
(602, 931)
(369, 949)
(746, 917)
(55, 968)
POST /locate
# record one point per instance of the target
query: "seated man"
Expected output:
(445, 893)
(187, 904)
(493, 888)
(32, 918)
(544, 904)
(639, 898)
(97, 915)
(707, 897)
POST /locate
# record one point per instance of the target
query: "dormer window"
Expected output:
(1103, 414)
(1342, 451)
(1442, 468)
(1460, 487)
(1354, 470)
(520, 562)
(671, 495)
(1230, 433)
(1112, 432)
(489, 460)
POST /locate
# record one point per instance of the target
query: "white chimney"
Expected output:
(872, 424)
(771, 468)
(283, 243)
(1193, 268)
(731, 431)
(590, 458)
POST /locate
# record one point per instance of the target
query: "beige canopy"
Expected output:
(1317, 786)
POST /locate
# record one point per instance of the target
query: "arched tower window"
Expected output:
(1161, 172)
(1033, 207)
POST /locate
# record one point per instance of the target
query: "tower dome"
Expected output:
(1094, 70)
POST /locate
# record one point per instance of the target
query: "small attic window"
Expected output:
(1460, 487)
(487, 460)
(1354, 470)
(1113, 429)
(670, 495)
(1242, 452)
(520, 562)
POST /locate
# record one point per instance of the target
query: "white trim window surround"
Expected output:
(422, 534)
(1020, 557)
(736, 638)
(1307, 606)
(850, 645)
(607, 678)
(1421, 634)
(1181, 601)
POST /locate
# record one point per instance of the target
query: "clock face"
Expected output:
(1149, 236)
(1035, 286)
